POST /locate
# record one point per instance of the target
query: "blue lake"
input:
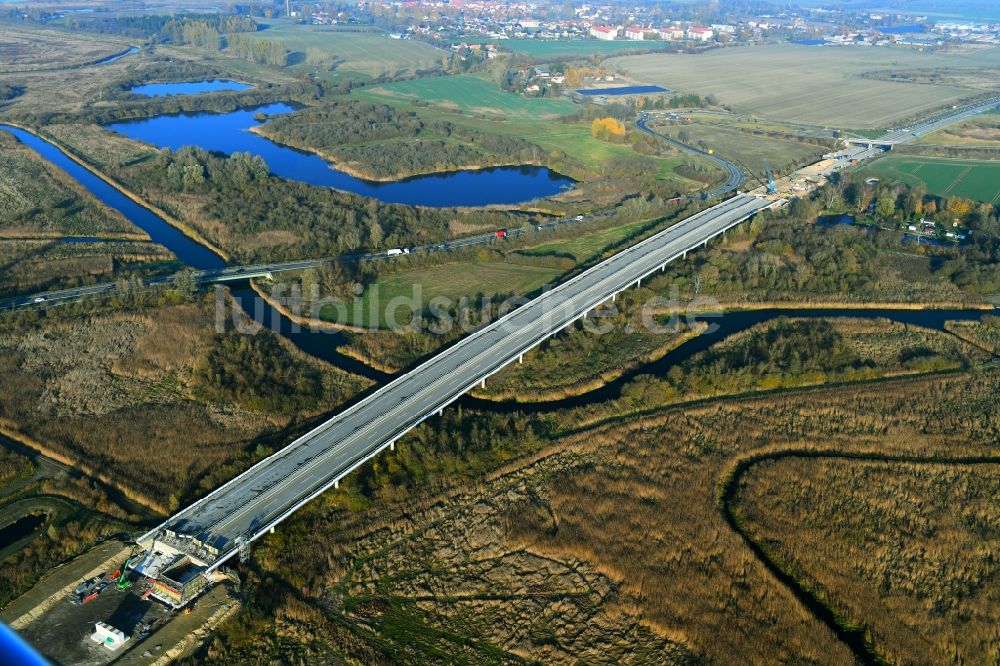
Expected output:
(228, 133)
(187, 88)
(623, 90)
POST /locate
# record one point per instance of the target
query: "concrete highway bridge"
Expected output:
(226, 521)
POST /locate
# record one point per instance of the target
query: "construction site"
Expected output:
(135, 607)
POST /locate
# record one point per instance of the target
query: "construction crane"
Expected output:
(771, 187)
(751, 172)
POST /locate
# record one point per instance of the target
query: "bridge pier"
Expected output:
(520, 358)
(392, 445)
(482, 384)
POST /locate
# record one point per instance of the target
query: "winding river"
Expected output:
(324, 344)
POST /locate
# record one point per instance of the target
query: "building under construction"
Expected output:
(175, 578)
(180, 583)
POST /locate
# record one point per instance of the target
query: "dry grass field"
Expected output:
(980, 132)
(329, 52)
(39, 206)
(984, 334)
(26, 50)
(738, 141)
(41, 201)
(907, 549)
(115, 395)
(820, 86)
(618, 527)
(28, 266)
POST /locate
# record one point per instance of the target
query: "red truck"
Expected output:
(502, 233)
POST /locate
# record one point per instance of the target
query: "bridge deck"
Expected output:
(247, 506)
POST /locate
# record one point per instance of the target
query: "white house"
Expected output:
(605, 32)
(700, 34)
(635, 34)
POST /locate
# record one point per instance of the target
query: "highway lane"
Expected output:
(272, 489)
(734, 175)
(904, 135)
(238, 273)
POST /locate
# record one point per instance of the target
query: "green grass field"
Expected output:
(513, 115)
(749, 149)
(819, 86)
(471, 94)
(360, 53)
(537, 48)
(452, 281)
(586, 247)
(978, 180)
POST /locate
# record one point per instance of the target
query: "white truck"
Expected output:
(396, 251)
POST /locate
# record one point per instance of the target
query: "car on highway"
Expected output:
(501, 233)
(578, 218)
(39, 299)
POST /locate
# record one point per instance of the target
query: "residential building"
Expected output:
(671, 32)
(607, 33)
(700, 34)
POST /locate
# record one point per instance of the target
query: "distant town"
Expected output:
(495, 21)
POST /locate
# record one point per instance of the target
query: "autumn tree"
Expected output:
(959, 207)
(607, 129)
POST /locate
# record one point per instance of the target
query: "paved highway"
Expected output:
(245, 507)
(237, 273)
(931, 124)
(734, 175)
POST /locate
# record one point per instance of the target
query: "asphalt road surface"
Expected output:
(237, 273)
(265, 494)
(911, 132)
(734, 175)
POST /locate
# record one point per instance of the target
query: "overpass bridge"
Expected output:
(240, 273)
(226, 521)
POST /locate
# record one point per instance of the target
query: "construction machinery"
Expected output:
(769, 185)
(123, 583)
